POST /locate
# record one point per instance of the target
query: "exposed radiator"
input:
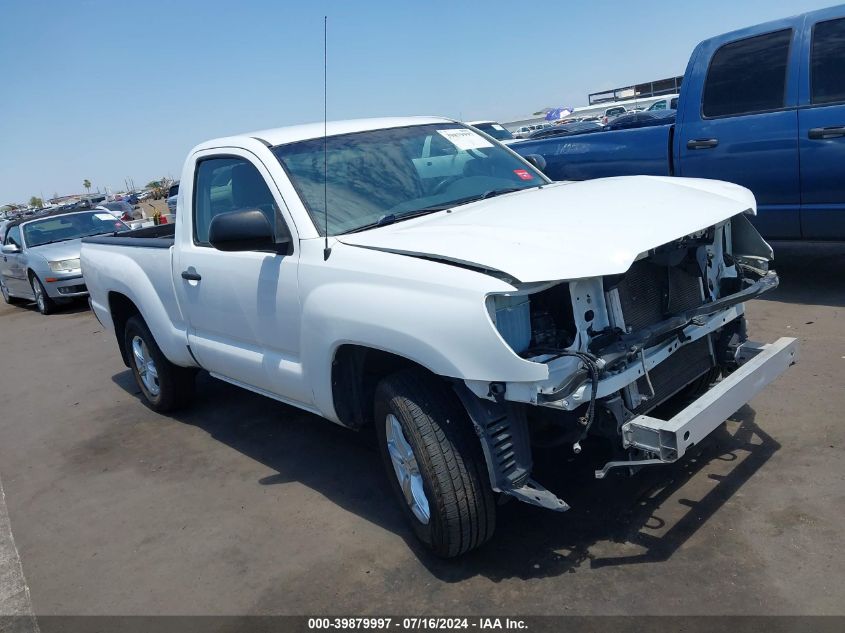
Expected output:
(691, 361)
(648, 294)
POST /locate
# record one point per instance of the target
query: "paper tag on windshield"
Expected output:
(496, 126)
(104, 216)
(465, 139)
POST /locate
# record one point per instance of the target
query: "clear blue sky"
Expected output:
(106, 89)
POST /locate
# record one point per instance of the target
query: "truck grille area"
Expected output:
(649, 292)
(684, 366)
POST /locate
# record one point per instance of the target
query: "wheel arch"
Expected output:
(122, 308)
(356, 370)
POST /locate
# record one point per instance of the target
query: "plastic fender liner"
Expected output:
(503, 431)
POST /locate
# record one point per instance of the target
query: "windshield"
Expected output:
(493, 129)
(381, 174)
(70, 227)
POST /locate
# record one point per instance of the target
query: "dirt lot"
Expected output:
(244, 505)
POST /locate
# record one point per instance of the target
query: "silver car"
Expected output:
(40, 256)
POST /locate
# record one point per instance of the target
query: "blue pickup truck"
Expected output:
(763, 107)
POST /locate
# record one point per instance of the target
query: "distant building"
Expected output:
(672, 85)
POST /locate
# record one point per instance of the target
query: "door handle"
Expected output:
(702, 143)
(191, 276)
(819, 133)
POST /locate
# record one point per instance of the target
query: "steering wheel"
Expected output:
(444, 184)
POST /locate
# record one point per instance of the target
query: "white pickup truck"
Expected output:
(415, 274)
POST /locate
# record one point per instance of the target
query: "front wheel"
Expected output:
(43, 301)
(165, 386)
(434, 462)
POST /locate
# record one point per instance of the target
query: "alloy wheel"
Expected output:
(406, 468)
(145, 365)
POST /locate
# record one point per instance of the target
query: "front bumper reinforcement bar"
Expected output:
(667, 440)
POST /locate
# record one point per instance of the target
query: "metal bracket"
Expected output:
(537, 495)
(630, 463)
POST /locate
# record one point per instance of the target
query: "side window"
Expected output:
(658, 105)
(229, 184)
(827, 62)
(748, 75)
(14, 236)
(673, 104)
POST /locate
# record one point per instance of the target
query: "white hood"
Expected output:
(565, 230)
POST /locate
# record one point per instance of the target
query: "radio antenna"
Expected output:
(326, 250)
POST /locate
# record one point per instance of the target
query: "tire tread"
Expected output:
(453, 457)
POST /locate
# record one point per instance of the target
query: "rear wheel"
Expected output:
(5, 292)
(43, 301)
(434, 462)
(165, 386)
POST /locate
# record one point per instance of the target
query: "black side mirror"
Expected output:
(538, 161)
(247, 230)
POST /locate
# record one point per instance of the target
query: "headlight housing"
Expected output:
(65, 266)
(512, 318)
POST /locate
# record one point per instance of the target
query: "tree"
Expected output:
(153, 184)
(35, 201)
(87, 184)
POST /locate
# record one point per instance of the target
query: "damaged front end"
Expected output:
(669, 331)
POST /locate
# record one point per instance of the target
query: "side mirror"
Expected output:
(247, 230)
(11, 249)
(538, 161)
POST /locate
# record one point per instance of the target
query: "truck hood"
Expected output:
(58, 251)
(564, 230)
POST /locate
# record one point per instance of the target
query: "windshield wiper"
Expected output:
(483, 196)
(64, 239)
(391, 218)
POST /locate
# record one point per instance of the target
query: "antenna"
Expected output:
(326, 250)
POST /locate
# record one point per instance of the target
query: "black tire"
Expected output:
(175, 385)
(462, 508)
(43, 302)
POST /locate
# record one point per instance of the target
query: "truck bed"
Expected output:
(138, 265)
(639, 151)
(160, 236)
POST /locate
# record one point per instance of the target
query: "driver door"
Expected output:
(242, 307)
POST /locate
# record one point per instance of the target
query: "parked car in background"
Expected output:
(40, 257)
(763, 107)
(631, 120)
(431, 282)
(670, 102)
(120, 209)
(526, 130)
(172, 196)
(612, 113)
(494, 129)
(568, 129)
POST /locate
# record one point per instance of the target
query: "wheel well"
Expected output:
(121, 309)
(356, 370)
